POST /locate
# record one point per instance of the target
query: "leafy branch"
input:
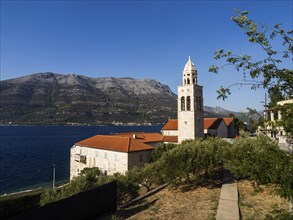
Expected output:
(268, 68)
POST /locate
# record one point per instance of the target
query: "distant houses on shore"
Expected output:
(216, 127)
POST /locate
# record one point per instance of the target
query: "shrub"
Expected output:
(88, 179)
(192, 160)
(127, 187)
(261, 160)
(161, 149)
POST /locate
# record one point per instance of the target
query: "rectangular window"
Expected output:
(140, 157)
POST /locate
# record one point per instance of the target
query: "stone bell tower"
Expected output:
(190, 105)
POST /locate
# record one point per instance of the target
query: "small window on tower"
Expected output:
(188, 81)
(182, 103)
(188, 103)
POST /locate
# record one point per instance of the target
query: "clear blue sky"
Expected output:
(139, 39)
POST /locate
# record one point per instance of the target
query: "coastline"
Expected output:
(36, 148)
(32, 190)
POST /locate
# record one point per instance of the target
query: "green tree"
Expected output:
(146, 176)
(192, 161)
(88, 179)
(261, 160)
(161, 149)
(277, 46)
(127, 186)
(266, 72)
(275, 95)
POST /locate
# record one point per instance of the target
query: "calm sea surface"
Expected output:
(27, 153)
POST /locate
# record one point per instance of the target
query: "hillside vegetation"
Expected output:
(49, 98)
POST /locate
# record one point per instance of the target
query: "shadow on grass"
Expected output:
(128, 212)
(209, 181)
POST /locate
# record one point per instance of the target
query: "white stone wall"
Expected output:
(139, 158)
(190, 123)
(170, 132)
(109, 161)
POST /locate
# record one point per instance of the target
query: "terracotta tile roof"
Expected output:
(172, 124)
(114, 143)
(208, 122)
(143, 137)
(228, 121)
(173, 139)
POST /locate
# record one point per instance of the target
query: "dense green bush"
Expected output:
(256, 158)
(89, 178)
(261, 160)
(127, 187)
(192, 160)
(161, 149)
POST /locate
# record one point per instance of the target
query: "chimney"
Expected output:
(134, 136)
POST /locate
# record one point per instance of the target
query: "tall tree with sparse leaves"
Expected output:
(264, 73)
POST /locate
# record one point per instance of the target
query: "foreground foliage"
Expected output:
(193, 162)
(261, 160)
(88, 179)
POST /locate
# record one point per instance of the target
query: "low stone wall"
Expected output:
(85, 205)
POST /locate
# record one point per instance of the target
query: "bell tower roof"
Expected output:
(189, 66)
(189, 73)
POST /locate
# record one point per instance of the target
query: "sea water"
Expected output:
(27, 153)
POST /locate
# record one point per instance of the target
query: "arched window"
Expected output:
(188, 103)
(188, 81)
(182, 103)
(196, 102)
(184, 81)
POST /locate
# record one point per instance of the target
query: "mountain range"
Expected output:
(50, 98)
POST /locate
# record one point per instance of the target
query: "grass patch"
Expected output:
(260, 202)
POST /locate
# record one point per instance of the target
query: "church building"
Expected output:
(121, 152)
